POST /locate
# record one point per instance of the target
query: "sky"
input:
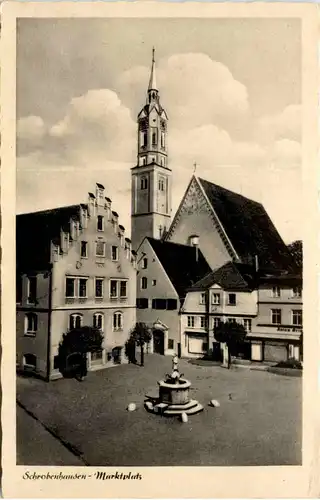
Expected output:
(231, 89)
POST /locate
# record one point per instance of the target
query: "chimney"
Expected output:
(194, 242)
(107, 206)
(121, 234)
(115, 218)
(100, 194)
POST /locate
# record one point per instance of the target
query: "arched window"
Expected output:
(154, 138)
(118, 321)
(163, 143)
(161, 184)
(30, 361)
(75, 321)
(98, 321)
(31, 324)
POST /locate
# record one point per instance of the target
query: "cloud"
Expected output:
(96, 124)
(284, 125)
(195, 90)
(209, 145)
(95, 141)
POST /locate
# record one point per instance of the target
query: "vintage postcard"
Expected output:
(159, 250)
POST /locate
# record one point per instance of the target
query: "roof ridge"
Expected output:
(230, 191)
(50, 209)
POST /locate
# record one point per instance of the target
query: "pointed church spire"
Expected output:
(152, 81)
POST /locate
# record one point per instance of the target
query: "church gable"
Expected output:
(195, 216)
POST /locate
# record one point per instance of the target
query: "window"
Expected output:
(18, 289)
(154, 282)
(31, 324)
(154, 139)
(144, 139)
(144, 263)
(203, 321)
(144, 283)
(191, 321)
(159, 304)
(99, 288)
(204, 346)
(203, 298)
(30, 361)
(100, 223)
(118, 321)
(216, 298)
(297, 317)
(144, 160)
(83, 288)
(100, 249)
(113, 289)
(161, 184)
(172, 304)
(32, 289)
(84, 249)
(216, 322)
(297, 292)
(231, 320)
(276, 292)
(142, 303)
(70, 287)
(247, 323)
(144, 183)
(75, 321)
(162, 140)
(123, 289)
(98, 320)
(276, 316)
(170, 344)
(114, 253)
(232, 299)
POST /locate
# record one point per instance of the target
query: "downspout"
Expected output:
(49, 326)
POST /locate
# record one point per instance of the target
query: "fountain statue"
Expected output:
(173, 396)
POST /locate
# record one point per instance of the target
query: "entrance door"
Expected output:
(158, 341)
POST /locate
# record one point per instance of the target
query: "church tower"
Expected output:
(151, 177)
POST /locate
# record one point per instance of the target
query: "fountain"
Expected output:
(173, 396)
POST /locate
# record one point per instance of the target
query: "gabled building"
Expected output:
(227, 294)
(74, 267)
(165, 271)
(230, 227)
(277, 329)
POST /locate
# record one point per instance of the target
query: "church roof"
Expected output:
(230, 276)
(248, 227)
(180, 263)
(35, 231)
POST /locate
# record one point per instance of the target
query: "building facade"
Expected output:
(165, 270)
(222, 296)
(74, 268)
(277, 330)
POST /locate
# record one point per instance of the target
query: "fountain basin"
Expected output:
(174, 393)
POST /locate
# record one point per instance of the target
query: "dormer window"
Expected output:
(100, 223)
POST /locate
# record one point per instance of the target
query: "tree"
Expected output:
(296, 250)
(73, 349)
(141, 335)
(232, 334)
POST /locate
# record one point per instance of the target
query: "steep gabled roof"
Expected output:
(180, 263)
(35, 231)
(248, 227)
(230, 276)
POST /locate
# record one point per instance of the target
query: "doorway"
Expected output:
(158, 341)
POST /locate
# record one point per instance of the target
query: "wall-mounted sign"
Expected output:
(289, 329)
